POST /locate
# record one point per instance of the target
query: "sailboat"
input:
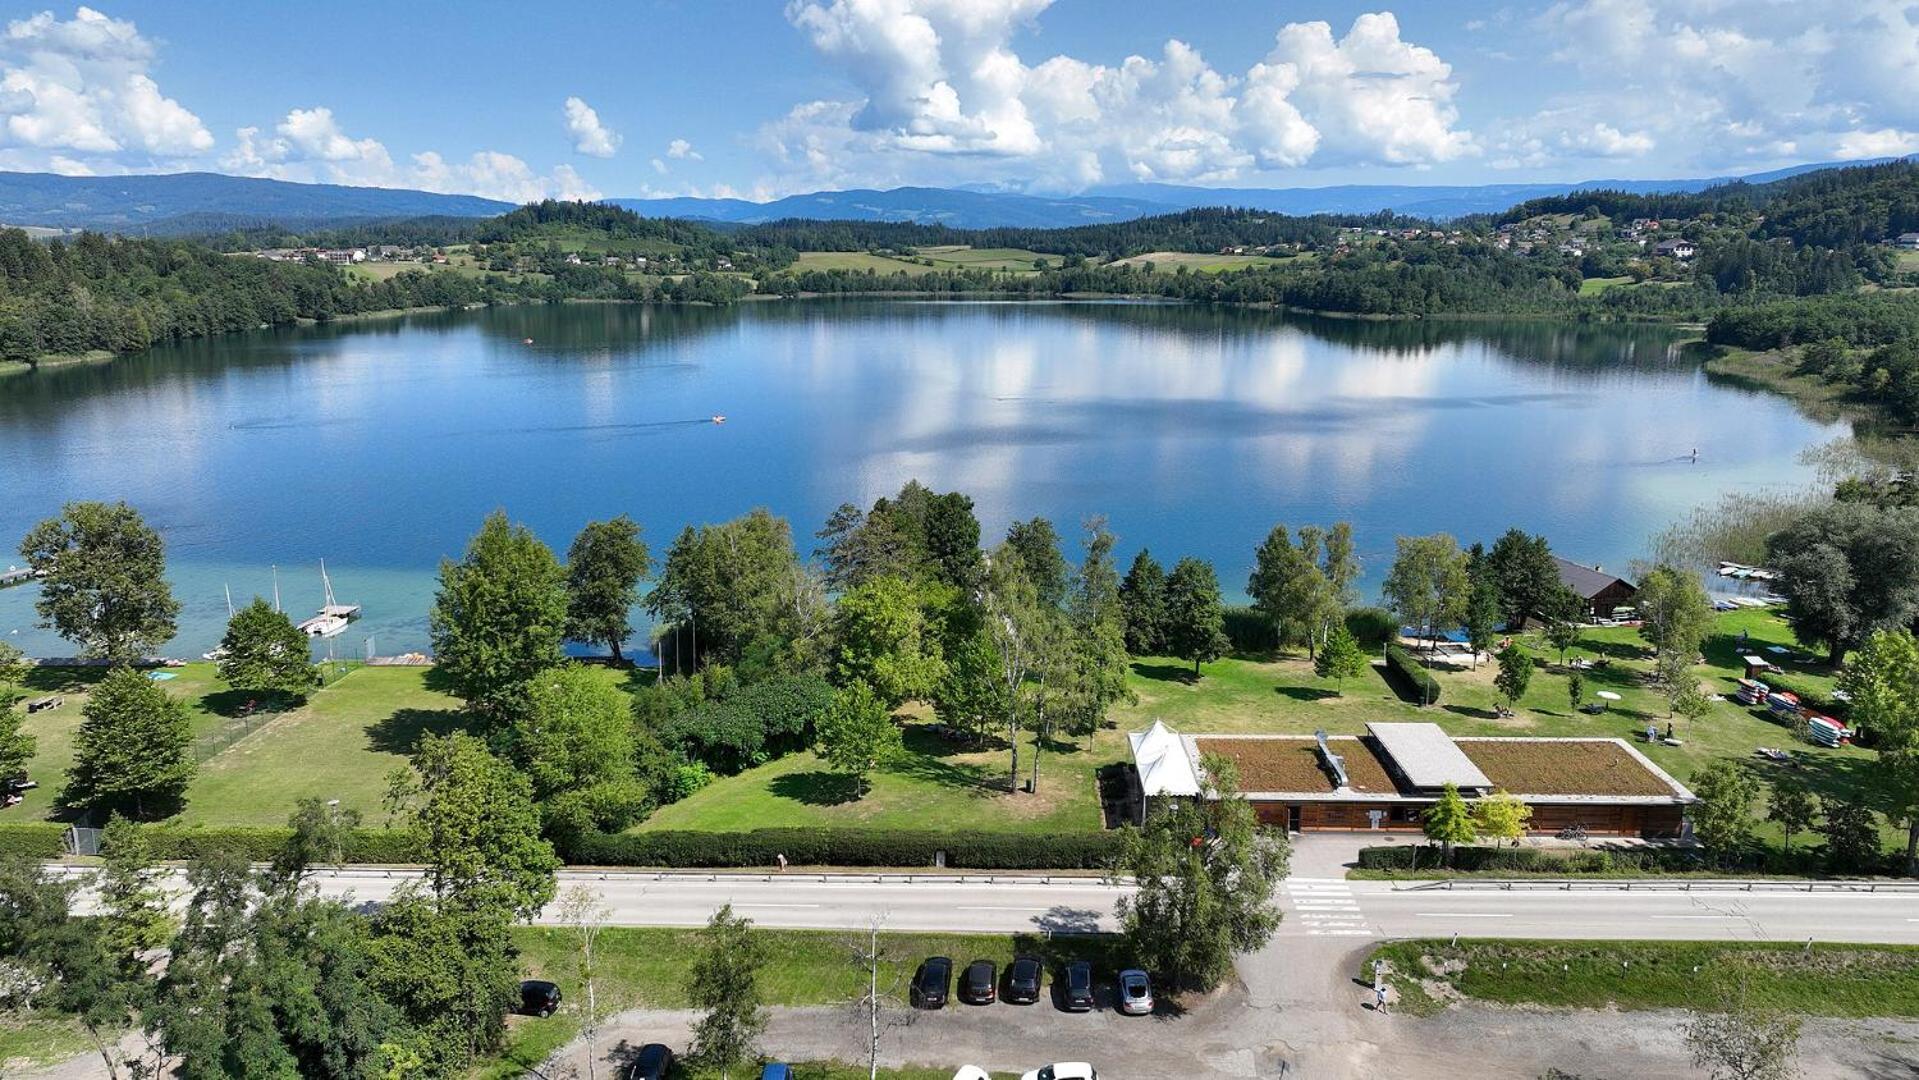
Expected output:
(220, 653)
(334, 616)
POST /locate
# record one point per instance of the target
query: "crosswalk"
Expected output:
(1325, 907)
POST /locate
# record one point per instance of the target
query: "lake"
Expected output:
(380, 445)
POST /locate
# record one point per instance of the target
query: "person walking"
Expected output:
(1380, 995)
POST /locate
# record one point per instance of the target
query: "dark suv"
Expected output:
(1077, 996)
(930, 983)
(1023, 978)
(653, 1062)
(539, 997)
(979, 983)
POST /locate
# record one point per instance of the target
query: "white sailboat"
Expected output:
(334, 616)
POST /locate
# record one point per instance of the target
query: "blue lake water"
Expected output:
(379, 445)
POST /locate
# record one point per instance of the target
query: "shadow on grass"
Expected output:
(401, 732)
(1164, 672)
(926, 739)
(61, 680)
(816, 788)
(1305, 693)
(960, 776)
(1468, 710)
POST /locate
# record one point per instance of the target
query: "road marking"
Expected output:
(1705, 917)
(1464, 914)
(779, 905)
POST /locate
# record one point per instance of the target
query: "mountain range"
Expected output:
(184, 203)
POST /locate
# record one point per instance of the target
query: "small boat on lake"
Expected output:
(334, 616)
(719, 418)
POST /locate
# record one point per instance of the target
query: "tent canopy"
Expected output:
(1165, 763)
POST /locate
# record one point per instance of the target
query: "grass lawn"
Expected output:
(29, 1040)
(1828, 980)
(857, 260)
(938, 786)
(942, 257)
(646, 967)
(1593, 286)
(1199, 262)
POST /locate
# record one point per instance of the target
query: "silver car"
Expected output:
(1135, 993)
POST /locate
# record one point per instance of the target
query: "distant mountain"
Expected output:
(190, 202)
(955, 207)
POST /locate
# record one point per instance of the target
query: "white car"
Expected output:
(1063, 1070)
(1135, 993)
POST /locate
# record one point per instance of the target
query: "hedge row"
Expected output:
(849, 847)
(1650, 861)
(1399, 659)
(261, 844)
(34, 839)
(1250, 631)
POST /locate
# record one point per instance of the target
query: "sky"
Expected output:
(761, 98)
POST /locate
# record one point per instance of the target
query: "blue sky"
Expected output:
(760, 99)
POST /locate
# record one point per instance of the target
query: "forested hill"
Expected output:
(1829, 208)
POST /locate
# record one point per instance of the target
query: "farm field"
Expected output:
(1203, 263)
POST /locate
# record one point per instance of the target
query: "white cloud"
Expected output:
(680, 148)
(944, 96)
(308, 145)
(590, 136)
(659, 166)
(83, 85)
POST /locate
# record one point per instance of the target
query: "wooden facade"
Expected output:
(1598, 819)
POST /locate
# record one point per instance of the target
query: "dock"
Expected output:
(18, 575)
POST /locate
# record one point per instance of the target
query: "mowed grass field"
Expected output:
(941, 257)
(346, 739)
(1201, 263)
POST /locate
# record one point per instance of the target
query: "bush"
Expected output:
(1371, 626)
(1419, 681)
(847, 847)
(1251, 632)
(1570, 861)
(747, 726)
(683, 781)
(33, 839)
(176, 842)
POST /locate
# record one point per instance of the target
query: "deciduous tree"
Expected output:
(1428, 584)
(1340, 658)
(1195, 619)
(1722, 818)
(103, 580)
(574, 742)
(264, 653)
(724, 985)
(476, 822)
(1449, 821)
(1791, 806)
(1848, 570)
(1501, 816)
(132, 754)
(1883, 682)
(604, 568)
(1515, 674)
(499, 617)
(884, 639)
(1142, 597)
(1851, 831)
(857, 735)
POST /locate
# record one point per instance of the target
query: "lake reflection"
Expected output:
(379, 445)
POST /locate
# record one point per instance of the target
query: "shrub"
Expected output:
(176, 842)
(683, 781)
(1250, 632)
(1420, 682)
(1569, 861)
(1372, 626)
(33, 839)
(848, 847)
(748, 726)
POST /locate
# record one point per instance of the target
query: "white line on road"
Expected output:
(779, 905)
(1704, 917)
(1464, 914)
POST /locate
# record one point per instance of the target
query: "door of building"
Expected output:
(1292, 818)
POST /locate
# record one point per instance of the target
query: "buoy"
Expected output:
(526, 341)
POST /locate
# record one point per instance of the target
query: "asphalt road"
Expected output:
(1314, 907)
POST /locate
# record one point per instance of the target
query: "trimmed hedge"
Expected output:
(1635, 860)
(1421, 681)
(1372, 626)
(1250, 631)
(261, 844)
(34, 839)
(847, 847)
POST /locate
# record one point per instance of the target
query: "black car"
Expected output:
(1077, 995)
(654, 1061)
(539, 997)
(930, 983)
(1023, 978)
(979, 985)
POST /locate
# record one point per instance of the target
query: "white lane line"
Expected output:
(1463, 914)
(1699, 917)
(779, 905)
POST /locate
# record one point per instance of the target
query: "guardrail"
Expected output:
(1656, 885)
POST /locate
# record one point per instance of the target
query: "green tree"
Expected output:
(17, 745)
(499, 617)
(1098, 623)
(1289, 588)
(1195, 619)
(1675, 612)
(476, 822)
(1038, 545)
(13, 673)
(857, 735)
(1687, 701)
(1205, 875)
(1482, 616)
(1563, 635)
(1524, 572)
(135, 918)
(1142, 597)
(1851, 831)
(1791, 806)
(1515, 674)
(1848, 570)
(1449, 821)
(972, 695)
(1742, 1041)
(574, 742)
(604, 568)
(1501, 816)
(321, 830)
(1341, 658)
(885, 640)
(724, 985)
(452, 975)
(1428, 585)
(1575, 690)
(133, 752)
(103, 582)
(264, 653)
(1722, 819)
(724, 587)
(1883, 682)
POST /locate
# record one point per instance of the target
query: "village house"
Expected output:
(1599, 592)
(1385, 780)
(1907, 240)
(1676, 249)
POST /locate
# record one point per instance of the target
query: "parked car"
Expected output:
(1023, 978)
(1077, 994)
(539, 997)
(653, 1062)
(1135, 993)
(1063, 1070)
(972, 1072)
(931, 981)
(778, 1070)
(979, 984)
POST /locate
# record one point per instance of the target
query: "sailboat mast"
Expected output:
(229, 591)
(327, 583)
(276, 587)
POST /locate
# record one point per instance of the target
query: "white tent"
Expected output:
(1165, 764)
